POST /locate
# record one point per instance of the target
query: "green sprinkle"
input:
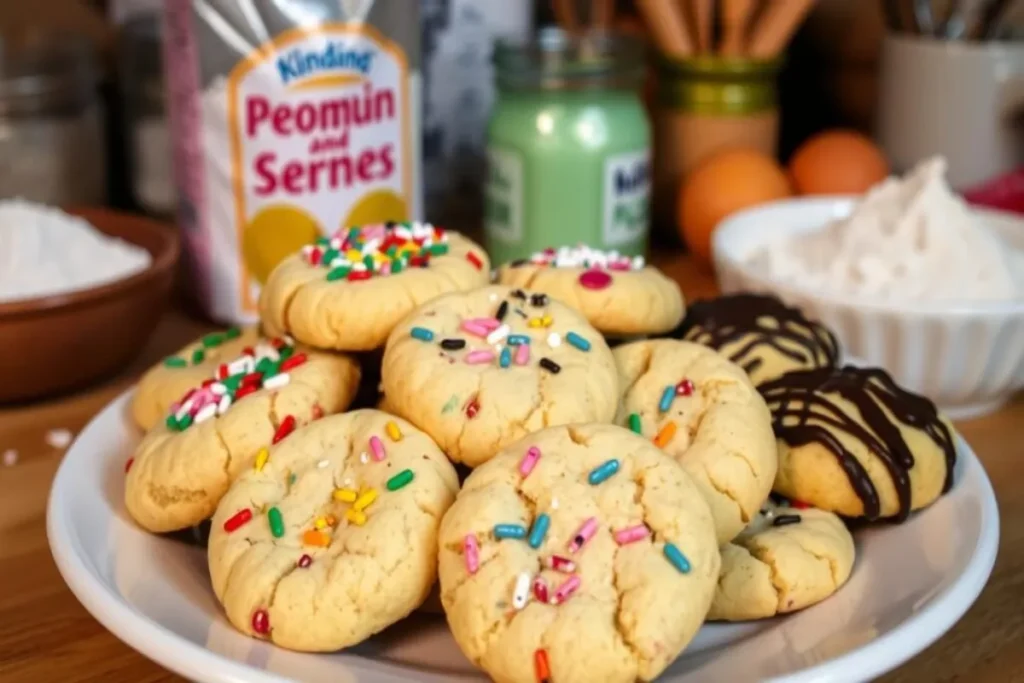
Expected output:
(438, 249)
(368, 262)
(450, 405)
(329, 257)
(397, 265)
(399, 480)
(232, 333)
(392, 250)
(175, 362)
(172, 423)
(265, 365)
(323, 242)
(233, 382)
(634, 422)
(276, 522)
(339, 273)
(185, 422)
(286, 352)
(198, 356)
(212, 340)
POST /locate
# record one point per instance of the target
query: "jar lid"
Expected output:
(556, 60)
(718, 86)
(45, 70)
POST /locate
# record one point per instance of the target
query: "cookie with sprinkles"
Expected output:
(224, 423)
(347, 291)
(702, 409)
(619, 295)
(165, 382)
(581, 550)
(786, 559)
(334, 536)
(481, 369)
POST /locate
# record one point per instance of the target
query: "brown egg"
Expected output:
(837, 162)
(721, 185)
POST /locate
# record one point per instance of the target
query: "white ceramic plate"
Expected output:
(910, 584)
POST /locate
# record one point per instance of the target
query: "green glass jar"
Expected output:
(568, 146)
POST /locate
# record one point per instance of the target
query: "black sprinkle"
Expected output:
(518, 262)
(550, 365)
(522, 313)
(518, 294)
(502, 310)
(453, 344)
(539, 299)
(783, 520)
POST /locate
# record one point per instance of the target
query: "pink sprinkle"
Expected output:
(479, 357)
(529, 460)
(585, 533)
(377, 446)
(175, 407)
(567, 588)
(489, 324)
(472, 552)
(475, 329)
(385, 269)
(540, 588)
(595, 279)
(561, 564)
(619, 265)
(522, 354)
(632, 534)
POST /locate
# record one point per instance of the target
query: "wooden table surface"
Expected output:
(45, 635)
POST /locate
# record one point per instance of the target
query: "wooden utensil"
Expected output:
(603, 13)
(667, 25)
(565, 15)
(778, 23)
(736, 15)
(703, 22)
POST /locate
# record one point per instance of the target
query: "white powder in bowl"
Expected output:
(909, 239)
(44, 251)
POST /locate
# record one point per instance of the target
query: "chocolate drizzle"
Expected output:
(768, 321)
(804, 412)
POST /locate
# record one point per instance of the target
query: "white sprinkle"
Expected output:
(208, 411)
(277, 381)
(554, 340)
(243, 365)
(364, 457)
(498, 334)
(185, 409)
(307, 250)
(218, 389)
(493, 297)
(336, 243)
(10, 457)
(288, 339)
(225, 403)
(638, 262)
(554, 503)
(522, 591)
(59, 438)
(322, 464)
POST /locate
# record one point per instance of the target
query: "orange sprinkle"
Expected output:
(665, 435)
(540, 666)
(316, 538)
(332, 520)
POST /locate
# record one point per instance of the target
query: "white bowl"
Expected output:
(968, 357)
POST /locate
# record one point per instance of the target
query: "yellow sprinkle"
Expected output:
(393, 431)
(320, 523)
(365, 500)
(665, 435)
(356, 517)
(317, 538)
(354, 255)
(261, 459)
(546, 321)
(535, 322)
(345, 495)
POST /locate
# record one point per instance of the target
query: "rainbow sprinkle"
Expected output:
(378, 250)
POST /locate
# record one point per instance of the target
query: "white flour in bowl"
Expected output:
(910, 238)
(44, 251)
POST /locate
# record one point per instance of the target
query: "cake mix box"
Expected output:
(290, 119)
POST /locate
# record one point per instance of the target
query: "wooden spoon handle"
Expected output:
(780, 21)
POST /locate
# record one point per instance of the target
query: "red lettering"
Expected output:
(315, 168)
(265, 172)
(291, 177)
(305, 117)
(282, 117)
(341, 166)
(387, 160)
(364, 167)
(256, 110)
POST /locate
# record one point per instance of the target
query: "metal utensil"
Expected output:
(923, 17)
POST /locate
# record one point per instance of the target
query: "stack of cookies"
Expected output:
(612, 499)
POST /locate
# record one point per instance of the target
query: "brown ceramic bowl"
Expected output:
(57, 343)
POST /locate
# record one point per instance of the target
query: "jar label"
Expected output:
(503, 202)
(627, 189)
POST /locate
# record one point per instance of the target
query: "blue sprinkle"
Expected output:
(603, 472)
(421, 333)
(506, 357)
(667, 397)
(509, 531)
(577, 341)
(517, 340)
(539, 530)
(675, 556)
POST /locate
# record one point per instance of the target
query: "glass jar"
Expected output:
(703, 105)
(52, 147)
(568, 146)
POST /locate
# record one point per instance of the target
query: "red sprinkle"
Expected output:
(222, 371)
(472, 408)
(595, 279)
(684, 388)
(475, 260)
(277, 343)
(207, 382)
(305, 561)
(128, 465)
(540, 589)
(541, 667)
(286, 427)
(318, 412)
(249, 351)
(245, 390)
(293, 362)
(261, 622)
(253, 378)
(238, 519)
(355, 275)
(798, 504)
(314, 257)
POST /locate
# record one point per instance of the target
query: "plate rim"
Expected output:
(165, 647)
